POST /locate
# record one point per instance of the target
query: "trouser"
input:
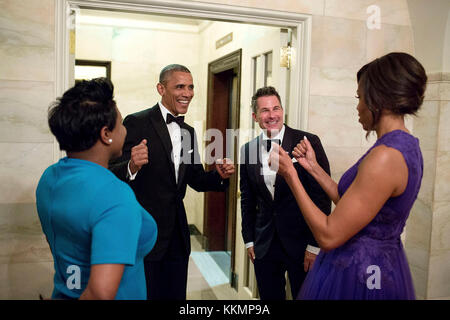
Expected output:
(271, 270)
(167, 279)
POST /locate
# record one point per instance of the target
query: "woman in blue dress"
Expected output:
(362, 256)
(97, 231)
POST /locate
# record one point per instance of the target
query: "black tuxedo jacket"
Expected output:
(263, 217)
(155, 185)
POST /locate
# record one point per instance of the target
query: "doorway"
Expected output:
(130, 99)
(223, 111)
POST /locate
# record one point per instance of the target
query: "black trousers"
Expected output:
(167, 279)
(271, 269)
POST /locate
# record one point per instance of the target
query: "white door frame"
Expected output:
(301, 39)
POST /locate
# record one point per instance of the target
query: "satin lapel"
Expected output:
(287, 144)
(161, 129)
(257, 171)
(182, 167)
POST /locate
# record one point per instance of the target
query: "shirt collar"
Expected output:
(164, 111)
(279, 136)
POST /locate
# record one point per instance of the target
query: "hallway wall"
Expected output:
(27, 86)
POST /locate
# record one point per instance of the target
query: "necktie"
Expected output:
(171, 118)
(268, 144)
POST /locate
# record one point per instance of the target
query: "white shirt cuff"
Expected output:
(312, 249)
(131, 176)
(248, 245)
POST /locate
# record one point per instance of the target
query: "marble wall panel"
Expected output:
(299, 6)
(21, 166)
(417, 245)
(442, 185)
(21, 237)
(341, 159)
(338, 43)
(418, 231)
(419, 277)
(444, 90)
(24, 106)
(432, 91)
(25, 281)
(444, 128)
(429, 176)
(27, 63)
(426, 125)
(335, 121)
(389, 38)
(336, 82)
(439, 276)
(391, 11)
(27, 23)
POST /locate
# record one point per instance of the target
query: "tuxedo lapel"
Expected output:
(182, 167)
(257, 170)
(287, 144)
(161, 129)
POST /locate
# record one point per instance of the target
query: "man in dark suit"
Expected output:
(160, 158)
(276, 236)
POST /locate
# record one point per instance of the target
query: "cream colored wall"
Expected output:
(340, 44)
(428, 245)
(27, 86)
(446, 54)
(430, 41)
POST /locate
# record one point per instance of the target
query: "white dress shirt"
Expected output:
(270, 175)
(175, 137)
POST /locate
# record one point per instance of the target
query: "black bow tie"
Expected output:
(170, 118)
(268, 143)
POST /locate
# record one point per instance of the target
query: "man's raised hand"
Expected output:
(139, 156)
(225, 167)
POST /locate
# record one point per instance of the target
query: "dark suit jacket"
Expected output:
(155, 185)
(262, 217)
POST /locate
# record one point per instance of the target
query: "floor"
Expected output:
(208, 279)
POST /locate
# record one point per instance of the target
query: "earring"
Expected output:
(110, 140)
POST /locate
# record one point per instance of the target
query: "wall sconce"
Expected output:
(285, 56)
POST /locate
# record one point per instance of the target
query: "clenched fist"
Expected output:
(225, 167)
(139, 156)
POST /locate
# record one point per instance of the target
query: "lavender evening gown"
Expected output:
(350, 271)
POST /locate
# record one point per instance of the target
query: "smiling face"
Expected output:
(177, 92)
(269, 114)
(365, 116)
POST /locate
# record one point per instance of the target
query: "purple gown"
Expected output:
(372, 264)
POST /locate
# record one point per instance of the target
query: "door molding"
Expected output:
(301, 38)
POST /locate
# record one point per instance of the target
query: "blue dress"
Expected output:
(372, 264)
(91, 217)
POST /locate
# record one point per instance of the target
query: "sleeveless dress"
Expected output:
(372, 264)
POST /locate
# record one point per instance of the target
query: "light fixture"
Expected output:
(285, 56)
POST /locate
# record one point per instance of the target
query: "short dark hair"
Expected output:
(264, 92)
(77, 118)
(394, 82)
(168, 70)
